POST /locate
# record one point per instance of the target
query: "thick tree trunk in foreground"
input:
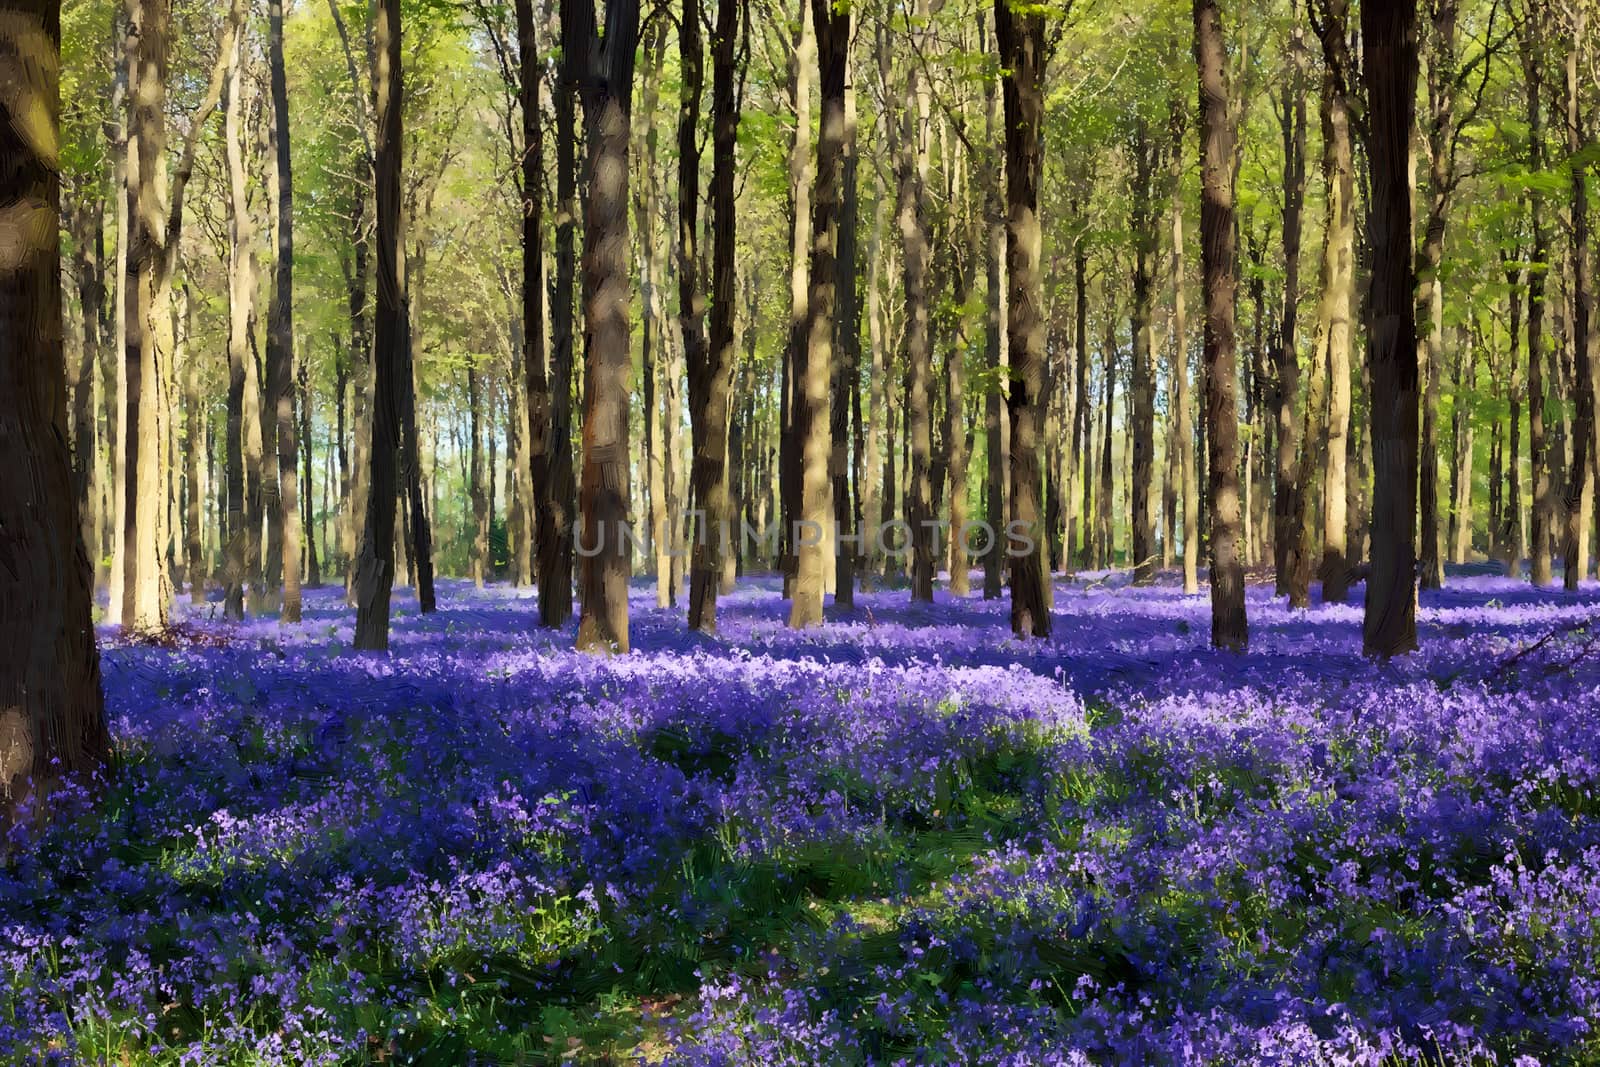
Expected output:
(1288, 500)
(376, 563)
(912, 216)
(602, 68)
(1022, 53)
(51, 709)
(814, 372)
(1219, 260)
(1389, 35)
(846, 410)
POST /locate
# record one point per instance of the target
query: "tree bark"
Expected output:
(1219, 261)
(1142, 382)
(144, 597)
(536, 384)
(241, 295)
(1021, 40)
(1583, 444)
(814, 372)
(1333, 322)
(375, 564)
(280, 318)
(1183, 390)
(997, 420)
(1288, 502)
(911, 215)
(1389, 35)
(846, 407)
(602, 68)
(1538, 453)
(52, 720)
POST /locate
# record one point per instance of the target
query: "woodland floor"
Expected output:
(901, 838)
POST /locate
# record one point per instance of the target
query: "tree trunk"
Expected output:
(1142, 381)
(911, 214)
(814, 372)
(1583, 447)
(375, 565)
(1466, 383)
(602, 68)
(1538, 454)
(997, 420)
(479, 559)
(790, 477)
(241, 295)
(847, 370)
(1333, 321)
(1021, 40)
(1183, 388)
(1219, 260)
(52, 720)
(280, 319)
(1389, 35)
(144, 601)
(557, 508)
(1288, 503)
(307, 524)
(536, 385)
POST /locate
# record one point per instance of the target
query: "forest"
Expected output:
(755, 532)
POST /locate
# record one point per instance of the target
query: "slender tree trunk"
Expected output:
(1538, 449)
(1142, 381)
(911, 214)
(1288, 503)
(847, 370)
(1219, 260)
(602, 67)
(557, 508)
(1333, 324)
(790, 478)
(144, 601)
(1182, 387)
(536, 384)
(51, 709)
(375, 565)
(814, 373)
(1389, 35)
(194, 449)
(479, 561)
(1466, 384)
(307, 523)
(1583, 444)
(997, 420)
(280, 317)
(1021, 40)
(241, 294)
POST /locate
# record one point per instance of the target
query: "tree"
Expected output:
(911, 212)
(280, 322)
(814, 375)
(600, 62)
(375, 564)
(711, 381)
(1583, 445)
(144, 595)
(536, 383)
(52, 718)
(1219, 266)
(1020, 36)
(1389, 72)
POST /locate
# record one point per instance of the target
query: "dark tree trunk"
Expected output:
(814, 375)
(997, 421)
(601, 66)
(375, 564)
(557, 507)
(1219, 259)
(308, 527)
(280, 323)
(911, 213)
(51, 709)
(1142, 381)
(1538, 449)
(1583, 444)
(1021, 41)
(1389, 36)
(1288, 501)
(847, 388)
